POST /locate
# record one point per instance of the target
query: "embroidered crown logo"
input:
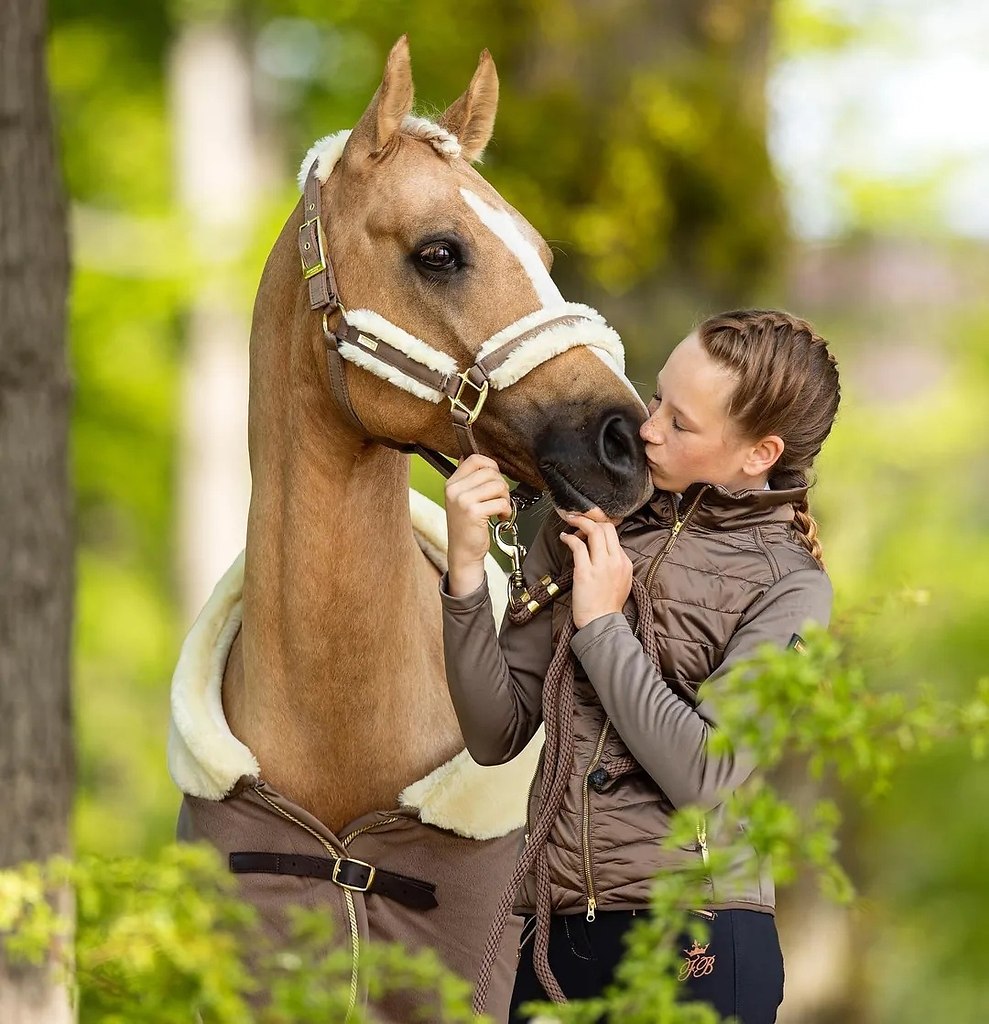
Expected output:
(696, 963)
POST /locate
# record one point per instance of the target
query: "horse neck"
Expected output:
(342, 696)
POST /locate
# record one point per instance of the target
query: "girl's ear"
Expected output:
(763, 456)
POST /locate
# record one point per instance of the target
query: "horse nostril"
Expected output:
(617, 444)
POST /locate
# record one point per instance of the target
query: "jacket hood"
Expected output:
(720, 509)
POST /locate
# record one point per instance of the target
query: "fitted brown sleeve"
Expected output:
(496, 681)
(665, 734)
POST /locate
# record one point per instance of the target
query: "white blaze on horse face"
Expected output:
(503, 225)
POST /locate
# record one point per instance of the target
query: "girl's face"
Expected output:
(689, 437)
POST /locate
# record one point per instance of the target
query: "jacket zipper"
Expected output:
(592, 901)
(710, 915)
(678, 525)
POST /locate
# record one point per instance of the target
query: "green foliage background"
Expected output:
(650, 174)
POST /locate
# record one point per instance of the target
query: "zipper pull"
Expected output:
(591, 908)
(702, 840)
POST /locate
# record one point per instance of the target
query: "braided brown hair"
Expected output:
(787, 384)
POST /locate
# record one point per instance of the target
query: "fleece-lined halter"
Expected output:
(367, 339)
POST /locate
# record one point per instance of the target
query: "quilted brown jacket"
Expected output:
(727, 574)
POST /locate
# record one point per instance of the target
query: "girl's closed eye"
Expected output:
(677, 425)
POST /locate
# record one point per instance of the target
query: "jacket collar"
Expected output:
(714, 508)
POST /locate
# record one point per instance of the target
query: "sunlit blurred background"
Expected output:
(682, 156)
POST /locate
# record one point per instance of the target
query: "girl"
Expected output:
(728, 553)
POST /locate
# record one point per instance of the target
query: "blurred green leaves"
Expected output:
(166, 938)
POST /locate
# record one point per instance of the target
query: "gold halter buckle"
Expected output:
(316, 268)
(456, 401)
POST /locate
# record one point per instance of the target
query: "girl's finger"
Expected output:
(597, 542)
(456, 487)
(589, 526)
(596, 515)
(483, 474)
(472, 464)
(482, 490)
(578, 519)
(610, 534)
(578, 549)
(489, 509)
(477, 461)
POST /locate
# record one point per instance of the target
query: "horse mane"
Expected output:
(327, 150)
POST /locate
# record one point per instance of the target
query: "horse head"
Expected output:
(431, 273)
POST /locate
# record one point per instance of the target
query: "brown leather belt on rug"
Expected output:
(356, 875)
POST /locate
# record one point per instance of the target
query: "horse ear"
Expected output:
(391, 103)
(471, 118)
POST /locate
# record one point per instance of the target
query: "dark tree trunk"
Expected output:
(36, 551)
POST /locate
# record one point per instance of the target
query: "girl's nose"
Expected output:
(649, 432)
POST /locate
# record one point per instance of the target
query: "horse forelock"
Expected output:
(444, 142)
(328, 150)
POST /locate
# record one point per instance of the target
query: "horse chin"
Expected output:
(569, 497)
(564, 494)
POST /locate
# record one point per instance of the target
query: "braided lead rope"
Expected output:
(563, 706)
(544, 911)
(540, 596)
(553, 789)
(558, 711)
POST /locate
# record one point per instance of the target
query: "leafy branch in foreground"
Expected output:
(816, 707)
(166, 938)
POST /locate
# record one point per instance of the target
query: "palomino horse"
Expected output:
(313, 735)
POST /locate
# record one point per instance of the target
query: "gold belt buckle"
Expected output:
(456, 401)
(319, 267)
(350, 860)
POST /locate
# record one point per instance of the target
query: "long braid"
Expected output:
(804, 523)
(806, 528)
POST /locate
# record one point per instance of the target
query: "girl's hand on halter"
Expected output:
(475, 493)
(602, 572)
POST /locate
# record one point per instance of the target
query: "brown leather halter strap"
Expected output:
(466, 391)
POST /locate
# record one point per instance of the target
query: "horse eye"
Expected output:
(439, 256)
